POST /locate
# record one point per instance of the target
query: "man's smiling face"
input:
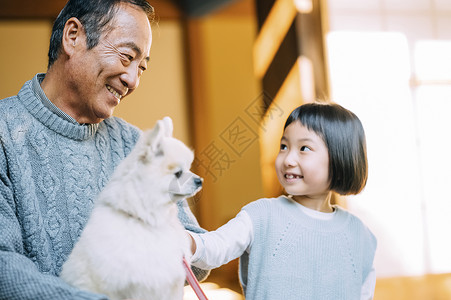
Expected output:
(104, 75)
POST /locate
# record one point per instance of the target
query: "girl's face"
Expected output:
(302, 166)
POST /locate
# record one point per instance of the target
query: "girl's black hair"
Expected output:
(343, 134)
(94, 15)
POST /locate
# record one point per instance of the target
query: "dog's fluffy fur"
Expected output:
(133, 244)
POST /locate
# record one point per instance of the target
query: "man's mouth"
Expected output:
(114, 92)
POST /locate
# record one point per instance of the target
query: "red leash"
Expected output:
(192, 280)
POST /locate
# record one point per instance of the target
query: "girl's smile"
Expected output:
(291, 176)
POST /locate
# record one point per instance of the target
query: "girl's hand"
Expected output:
(192, 243)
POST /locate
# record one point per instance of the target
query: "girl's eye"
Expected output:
(305, 148)
(283, 147)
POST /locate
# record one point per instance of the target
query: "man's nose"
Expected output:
(130, 79)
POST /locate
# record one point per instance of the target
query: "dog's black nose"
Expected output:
(198, 181)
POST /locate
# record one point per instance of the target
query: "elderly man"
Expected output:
(60, 143)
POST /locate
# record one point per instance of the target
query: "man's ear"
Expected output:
(73, 36)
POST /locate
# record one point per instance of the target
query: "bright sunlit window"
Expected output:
(432, 96)
(402, 94)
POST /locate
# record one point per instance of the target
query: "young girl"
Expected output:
(300, 246)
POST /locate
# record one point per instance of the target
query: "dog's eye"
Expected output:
(178, 174)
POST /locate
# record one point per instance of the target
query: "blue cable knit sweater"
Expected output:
(294, 256)
(51, 170)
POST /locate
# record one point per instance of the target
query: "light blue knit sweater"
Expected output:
(51, 170)
(294, 256)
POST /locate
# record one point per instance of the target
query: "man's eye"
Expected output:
(127, 56)
(305, 148)
(178, 174)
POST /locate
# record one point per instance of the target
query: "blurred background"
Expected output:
(230, 71)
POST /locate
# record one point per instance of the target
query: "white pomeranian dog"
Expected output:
(133, 244)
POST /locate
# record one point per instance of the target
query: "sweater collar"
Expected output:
(340, 217)
(39, 92)
(36, 102)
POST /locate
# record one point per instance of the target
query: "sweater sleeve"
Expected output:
(223, 245)
(20, 278)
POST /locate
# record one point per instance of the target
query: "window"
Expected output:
(402, 93)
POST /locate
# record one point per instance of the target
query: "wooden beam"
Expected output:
(290, 29)
(49, 9)
(272, 34)
(26, 9)
(166, 10)
(238, 8)
(311, 34)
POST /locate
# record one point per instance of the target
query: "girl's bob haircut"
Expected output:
(343, 134)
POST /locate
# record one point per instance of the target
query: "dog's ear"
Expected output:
(166, 124)
(150, 141)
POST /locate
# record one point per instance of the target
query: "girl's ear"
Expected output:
(73, 34)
